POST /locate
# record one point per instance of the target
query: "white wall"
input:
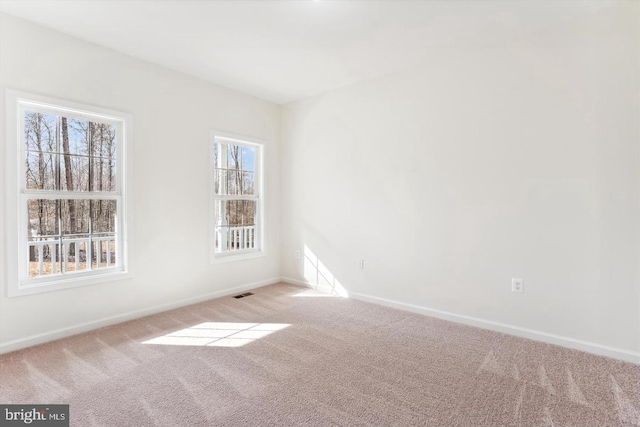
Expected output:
(172, 116)
(485, 163)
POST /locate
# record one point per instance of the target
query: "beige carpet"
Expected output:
(278, 359)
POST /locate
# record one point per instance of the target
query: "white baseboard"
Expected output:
(589, 347)
(108, 321)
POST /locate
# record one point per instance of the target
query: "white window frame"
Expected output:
(16, 218)
(258, 145)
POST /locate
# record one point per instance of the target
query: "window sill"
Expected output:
(218, 258)
(61, 282)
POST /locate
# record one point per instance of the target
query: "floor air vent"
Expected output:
(246, 294)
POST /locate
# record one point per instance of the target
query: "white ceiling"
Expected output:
(283, 51)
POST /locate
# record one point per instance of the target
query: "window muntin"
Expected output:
(237, 204)
(71, 214)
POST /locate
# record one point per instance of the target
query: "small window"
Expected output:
(236, 197)
(71, 227)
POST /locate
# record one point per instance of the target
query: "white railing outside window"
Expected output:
(236, 238)
(46, 258)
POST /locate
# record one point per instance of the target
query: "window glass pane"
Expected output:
(104, 174)
(103, 252)
(232, 156)
(74, 253)
(44, 257)
(103, 151)
(234, 182)
(43, 218)
(74, 136)
(74, 163)
(103, 215)
(41, 145)
(40, 132)
(40, 169)
(235, 229)
(42, 246)
(248, 183)
(233, 210)
(217, 181)
(74, 217)
(103, 140)
(74, 173)
(239, 183)
(248, 159)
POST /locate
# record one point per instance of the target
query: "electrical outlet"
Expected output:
(361, 264)
(297, 254)
(517, 285)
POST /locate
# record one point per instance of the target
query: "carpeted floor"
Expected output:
(279, 358)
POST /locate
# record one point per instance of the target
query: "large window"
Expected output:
(71, 224)
(237, 197)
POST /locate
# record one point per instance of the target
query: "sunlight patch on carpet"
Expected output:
(219, 334)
